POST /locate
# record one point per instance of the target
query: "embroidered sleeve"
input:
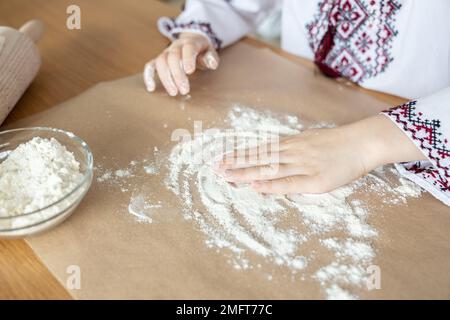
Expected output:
(172, 29)
(427, 123)
(223, 22)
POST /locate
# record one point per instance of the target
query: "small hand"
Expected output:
(320, 160)
(186, 54)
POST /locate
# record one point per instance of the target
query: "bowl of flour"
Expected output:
(44, 175)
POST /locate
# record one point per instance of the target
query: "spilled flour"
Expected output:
(241, 220)
(142, 209)
(282, 230)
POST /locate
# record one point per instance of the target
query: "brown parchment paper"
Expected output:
(121, 258)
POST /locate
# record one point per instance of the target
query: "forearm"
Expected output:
(382, 142)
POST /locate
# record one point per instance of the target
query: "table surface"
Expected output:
(116, 39)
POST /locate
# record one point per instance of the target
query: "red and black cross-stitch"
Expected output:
(427, 135)
(205, 27)
(363, 32)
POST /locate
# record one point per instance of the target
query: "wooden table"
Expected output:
(116, 38)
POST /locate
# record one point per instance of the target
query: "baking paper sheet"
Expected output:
(168, 259)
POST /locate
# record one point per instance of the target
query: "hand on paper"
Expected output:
(320, 160)
(185, 55)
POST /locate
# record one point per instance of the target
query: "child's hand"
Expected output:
(189, 52)
(320, 160)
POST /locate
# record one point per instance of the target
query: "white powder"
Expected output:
(117, 177)
(142, 209)
(105, 177)
(341, 273)
(151, 170)
(249, 120)
(241, 220)
(123, 178)
(123, 173)
(350, 248)
(334, 292)
(331, 211)
(35, 175)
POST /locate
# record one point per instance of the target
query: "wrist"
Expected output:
(382, 142)
(193, 35)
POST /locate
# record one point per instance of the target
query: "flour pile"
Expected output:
(36, 174)
(246, 222)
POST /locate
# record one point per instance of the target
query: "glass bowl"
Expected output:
(45, 218)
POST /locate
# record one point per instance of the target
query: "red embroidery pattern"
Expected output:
(172, 27)
(426, 135)
(363, 38)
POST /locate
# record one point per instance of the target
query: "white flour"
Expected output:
(35, 175)
(279, 229)
(119, 177)
(142, 209)
(123, 173)
(151, 170)
(139, 205)
(241, 220)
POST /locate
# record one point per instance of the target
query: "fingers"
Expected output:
(265, 154)
(176, 69)
(240, 161)
(182, 58)
(189, 53)
(267, 172)
(289, 185)
(149, 76)
(209, 59)
(165, 76)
